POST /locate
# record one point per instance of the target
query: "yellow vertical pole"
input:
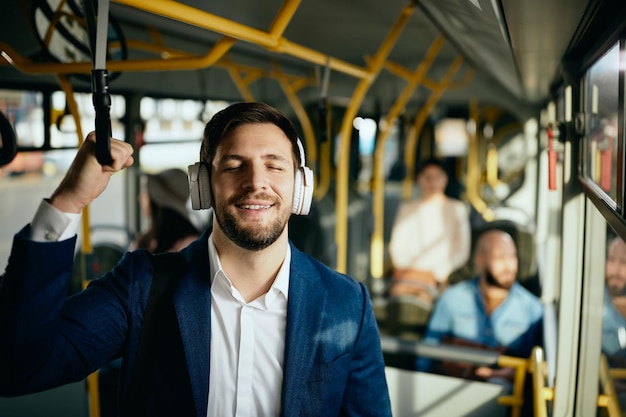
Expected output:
(473, 165)
(282, 19)
(73, 107)
(324, 162)
(474, 170)
(492, 165)
(305, 122)
(420, 121)
(609, 396)
(276, 31)
(240, 82)
(540, 392)
(92, 380)
(376, 64)
(377, 250)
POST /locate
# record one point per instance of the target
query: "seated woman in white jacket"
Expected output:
(431, 235)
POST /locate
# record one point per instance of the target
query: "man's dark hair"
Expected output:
(226, 120)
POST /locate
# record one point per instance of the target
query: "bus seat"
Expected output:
(315, 234)
(103, 257)
(109, 243)
(407, 316)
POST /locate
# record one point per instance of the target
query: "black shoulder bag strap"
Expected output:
(167, 269)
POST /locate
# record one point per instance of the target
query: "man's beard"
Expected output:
(253, 239)
(617, 291)
(493, 282)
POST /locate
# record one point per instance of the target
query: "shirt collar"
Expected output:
(281, 283)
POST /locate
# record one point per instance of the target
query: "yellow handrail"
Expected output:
(541, 394)
(516, 399)
(617, 373)
(608, 397)
(272, 41)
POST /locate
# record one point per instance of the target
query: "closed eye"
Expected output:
(276, 168)
(232, 168)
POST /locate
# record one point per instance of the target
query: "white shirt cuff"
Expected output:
(52, 225)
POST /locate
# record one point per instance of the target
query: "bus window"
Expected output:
(24, 112)
(172, 131)
(601, 161)
(63, 132)
(170, 134)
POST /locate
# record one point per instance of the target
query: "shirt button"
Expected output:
(51, 235)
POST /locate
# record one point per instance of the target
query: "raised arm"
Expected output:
(35, 350)
(87, 179)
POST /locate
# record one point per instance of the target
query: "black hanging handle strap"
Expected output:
(98, 32)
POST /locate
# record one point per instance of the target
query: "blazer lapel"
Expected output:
(192, 301)
(306, 299)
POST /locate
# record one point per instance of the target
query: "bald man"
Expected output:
(491, 311)
(614, 309)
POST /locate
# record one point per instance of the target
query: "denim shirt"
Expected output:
(613, 331)
(460, 313)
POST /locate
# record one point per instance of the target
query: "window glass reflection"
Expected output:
(24, 110)
(602, 107)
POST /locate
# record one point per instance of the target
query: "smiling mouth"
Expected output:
(254, 206)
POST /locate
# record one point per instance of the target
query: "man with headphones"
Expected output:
(257, 328)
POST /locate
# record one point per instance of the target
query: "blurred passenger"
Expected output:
(164, 202)
(614, 310)
(492, 312)
(431, 235)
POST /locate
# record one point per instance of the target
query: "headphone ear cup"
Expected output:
(199, 186)
(303, 186)
(303, 191)
(204, 180)
(297, 192)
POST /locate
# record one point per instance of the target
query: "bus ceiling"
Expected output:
(511, 46)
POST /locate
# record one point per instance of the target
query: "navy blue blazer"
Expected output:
(333, 364)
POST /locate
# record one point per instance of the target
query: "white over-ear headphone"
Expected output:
(200, 186)
(303, 186)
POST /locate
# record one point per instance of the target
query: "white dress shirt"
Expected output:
(52, 225)
(247, 345)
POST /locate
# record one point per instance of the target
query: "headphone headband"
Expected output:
(301, 149)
